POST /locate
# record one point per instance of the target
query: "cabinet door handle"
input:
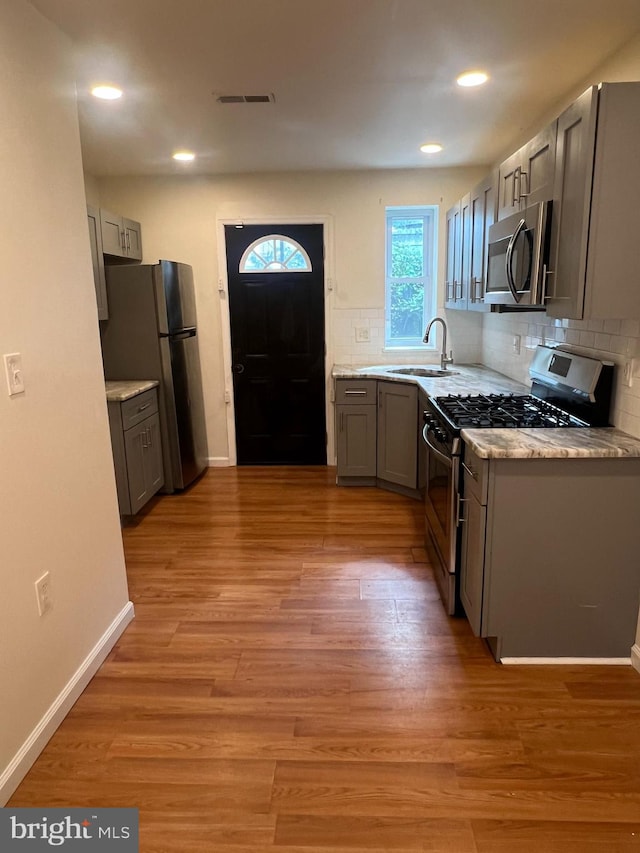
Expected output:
(476, 290)
(355, 393)
(471, 473)
(459, 519)
(123, 241)
(149, 437)
(341, 428)
(142, 408)
(143, 436)
(545, 296)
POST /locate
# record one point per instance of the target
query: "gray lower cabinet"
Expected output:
(99, 279)
(377, 435)
(137, 450)
(356, 429)
(397, 434)
(549, 551)
(473, 520)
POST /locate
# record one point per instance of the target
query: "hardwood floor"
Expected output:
(291, 682)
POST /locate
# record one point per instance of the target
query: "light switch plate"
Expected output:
(362, 335)
(13, 372)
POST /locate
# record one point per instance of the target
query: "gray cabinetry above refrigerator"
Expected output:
(121, 237)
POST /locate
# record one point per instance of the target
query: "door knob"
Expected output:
(238, 368)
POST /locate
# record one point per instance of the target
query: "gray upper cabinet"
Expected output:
(594, 256)
(468, 224)
(397, 434)
(527, 176)
(454, 255)
(482, 204)
(121, 238)
(95, 238)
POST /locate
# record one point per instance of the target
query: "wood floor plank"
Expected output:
(292, 683)
(389, 833)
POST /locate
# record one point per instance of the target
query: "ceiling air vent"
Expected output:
(246, 99)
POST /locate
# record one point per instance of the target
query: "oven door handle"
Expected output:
(442, 456)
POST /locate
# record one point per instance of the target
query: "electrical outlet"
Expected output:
(13, 371)
(43, 594)
(515, 343)
(362, 335)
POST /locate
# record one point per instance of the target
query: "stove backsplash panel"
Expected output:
(612, 340)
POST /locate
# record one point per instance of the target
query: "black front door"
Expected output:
(276, 308)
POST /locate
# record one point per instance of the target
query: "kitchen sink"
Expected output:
(423, 371)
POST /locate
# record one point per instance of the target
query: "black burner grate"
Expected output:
(503, 411)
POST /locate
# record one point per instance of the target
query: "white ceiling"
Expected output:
(357, 83)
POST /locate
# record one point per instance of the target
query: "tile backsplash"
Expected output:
(611, 340)
(489, 339)
(350, 326)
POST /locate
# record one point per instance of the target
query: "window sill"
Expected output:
(409, 349)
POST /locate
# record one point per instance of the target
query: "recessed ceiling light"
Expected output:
(184, 156)
(472, 78)
(431, 148)
(107, 93)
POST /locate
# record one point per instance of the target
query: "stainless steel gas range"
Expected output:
(567, 390)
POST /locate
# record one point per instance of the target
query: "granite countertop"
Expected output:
(462, 379)
(576, 443)
(567, 443)
(120, 390)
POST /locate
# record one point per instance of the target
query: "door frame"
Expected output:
(326, 221)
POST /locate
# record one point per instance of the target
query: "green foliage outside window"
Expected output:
(407, 248)
(407, 310)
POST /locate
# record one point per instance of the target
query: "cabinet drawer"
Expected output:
(138, 408)
(475, 472)
(356, 391)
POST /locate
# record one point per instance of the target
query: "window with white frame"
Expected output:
(410, 275)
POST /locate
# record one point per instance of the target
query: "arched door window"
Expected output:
(274, 253)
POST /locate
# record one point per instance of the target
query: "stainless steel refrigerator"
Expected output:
(152, 333)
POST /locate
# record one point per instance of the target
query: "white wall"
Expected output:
(617, 340)
(179, 218)
(57, 492)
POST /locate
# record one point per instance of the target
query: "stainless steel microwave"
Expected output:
(518, 253)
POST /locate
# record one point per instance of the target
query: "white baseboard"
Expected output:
(219, 462)
(19, 766)
(635, 656)
(568, 661)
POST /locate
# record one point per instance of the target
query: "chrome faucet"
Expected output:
(444, 358)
